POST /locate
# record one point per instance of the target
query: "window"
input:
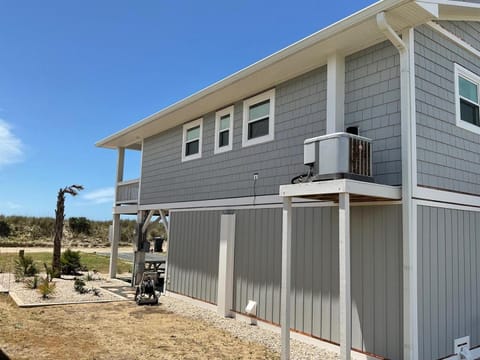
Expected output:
(258, 118)
(223, 130)
(192, 140)
(467, 99)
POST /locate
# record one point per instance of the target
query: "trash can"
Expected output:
(158, 243)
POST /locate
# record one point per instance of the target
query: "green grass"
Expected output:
(91, 261)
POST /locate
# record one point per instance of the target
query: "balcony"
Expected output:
(127, 192)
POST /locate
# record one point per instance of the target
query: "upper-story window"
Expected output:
(467, 86)
(223, 130)
(258, 118)
(192, 140)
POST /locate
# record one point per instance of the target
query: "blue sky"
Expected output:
(74, 72)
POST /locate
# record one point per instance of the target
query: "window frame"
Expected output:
(460, 71)
(267, 95)
(218, 116)
(186, 127)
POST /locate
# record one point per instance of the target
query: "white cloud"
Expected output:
(100, 196)
(11, 148)
(10, 205)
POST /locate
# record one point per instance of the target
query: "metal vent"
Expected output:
(360, 157)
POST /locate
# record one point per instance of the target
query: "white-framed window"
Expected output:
(223, 130)
(258, 118)
(192, 140)
(467, 99)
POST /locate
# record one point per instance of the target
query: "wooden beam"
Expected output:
(345, 294)
(146, 224)
(286, 277)
(164, 220)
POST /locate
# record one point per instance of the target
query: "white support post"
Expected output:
(114, 239)
(345, 294)
(335, 93)
(120, 168)
(286, 277)
(225, 265)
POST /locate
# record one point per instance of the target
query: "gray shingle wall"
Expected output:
(372, 102)
(448, 279)
(448, 156)
(466, 30)
(299, 114)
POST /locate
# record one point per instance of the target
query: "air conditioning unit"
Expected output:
(339, 155)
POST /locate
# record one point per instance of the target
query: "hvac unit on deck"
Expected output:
(339, 155)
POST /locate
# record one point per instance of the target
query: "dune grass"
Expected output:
(90, 261)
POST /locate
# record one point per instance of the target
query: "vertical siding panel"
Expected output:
(270, 253)
(263, 242)
(278, 264)
(326, 274)
(468, 285)
(461, 273)
(357, 275)
(455, 270)
(299, 242)
(449, 273)
(308, 263)
(477, 274)
(420, 226)
(368, 280)
(251, 247)
(473, 263)
(442, 280)
(197, 250)
(171, 255)
(317, 271)
(335, 319)
(379, 260)
(426, 283)
(434, 310)
(244, 262)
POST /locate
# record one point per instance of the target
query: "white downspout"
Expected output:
(404, 46)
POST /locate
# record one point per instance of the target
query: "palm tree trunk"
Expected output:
(57, 240)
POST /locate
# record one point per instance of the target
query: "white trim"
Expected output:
(125, 209)
(128, 182)
(186, 127)
(454, 38)
(460, 71)
(345, 296)
(447, 205)
(335, 93)
(413, 113)
(218, 115)
(267, 95)
(424, 193)
(141, 167)
(341, 186)
(285, 297)
(226, 260)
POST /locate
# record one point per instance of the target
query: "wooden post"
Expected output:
(345, 294)
(286, 277)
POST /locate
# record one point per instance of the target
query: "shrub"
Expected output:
(24, 267)
(79, 286)
(31, 283)
(5, 229)
(46, 287)
(80, 225)
(70, 261)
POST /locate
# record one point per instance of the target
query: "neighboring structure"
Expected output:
(407, 74)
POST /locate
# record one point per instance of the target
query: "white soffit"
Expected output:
(347, 36)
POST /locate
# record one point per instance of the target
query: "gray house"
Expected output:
(381, 237)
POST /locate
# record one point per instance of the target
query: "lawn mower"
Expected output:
(145, 293)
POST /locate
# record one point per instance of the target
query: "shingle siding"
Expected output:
(447, 155)
(299, 113)
(372, 102)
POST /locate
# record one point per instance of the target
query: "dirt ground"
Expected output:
(114, 331)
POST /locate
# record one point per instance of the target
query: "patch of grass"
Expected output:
(90, 261)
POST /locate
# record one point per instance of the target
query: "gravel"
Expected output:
(242, 330)
(63, 291)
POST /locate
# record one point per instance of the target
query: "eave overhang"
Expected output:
(347, 36)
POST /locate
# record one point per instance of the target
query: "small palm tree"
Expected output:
(59, 219)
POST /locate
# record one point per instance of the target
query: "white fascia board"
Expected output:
(125, 209)
(458, 41)
(424, 193)
(341, 186)
(321, 35)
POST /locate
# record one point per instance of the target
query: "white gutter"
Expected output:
(409, 218)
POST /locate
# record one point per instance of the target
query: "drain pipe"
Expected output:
(405, 49)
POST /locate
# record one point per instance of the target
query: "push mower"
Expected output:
(145, 293)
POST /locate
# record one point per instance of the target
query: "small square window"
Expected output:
(467, 99)
(192, 140)
(223, 130)
(258, 118)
